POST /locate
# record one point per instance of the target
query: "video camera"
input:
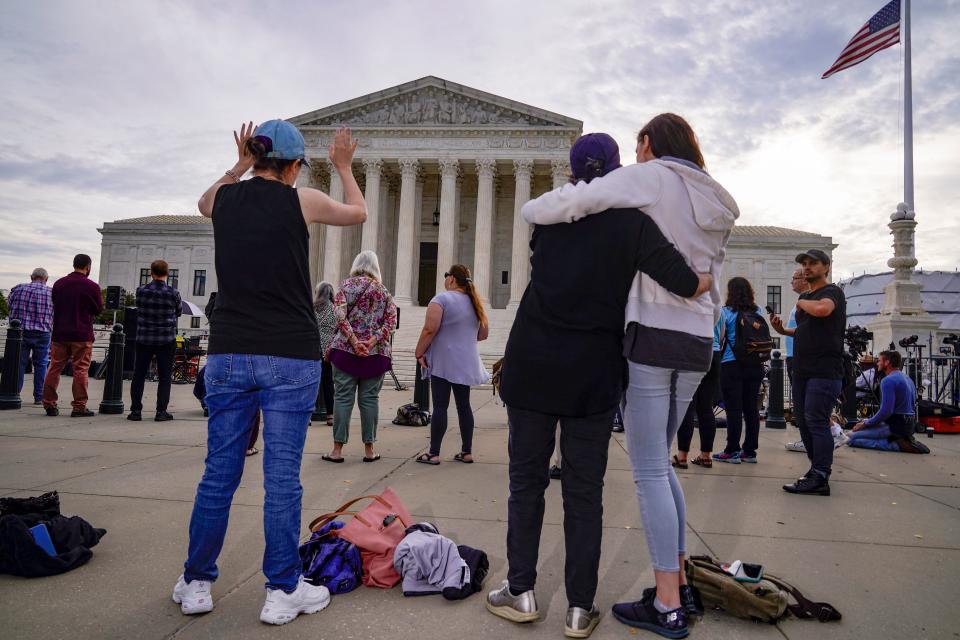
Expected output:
(857, 339)
(952, 340)
(908, 342)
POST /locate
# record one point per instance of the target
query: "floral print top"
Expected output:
(327, 325)
(372, 313)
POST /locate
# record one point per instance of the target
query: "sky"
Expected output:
(114, 110)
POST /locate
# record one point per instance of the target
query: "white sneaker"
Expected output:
(193, 597)
(281, 608)
(795, 446)
(840, 439)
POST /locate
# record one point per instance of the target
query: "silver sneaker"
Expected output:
(795, 446)
(521, 608)
(580, 622)
(840, 439)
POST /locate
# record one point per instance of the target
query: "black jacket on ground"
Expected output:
(564, 354)
(20, 555)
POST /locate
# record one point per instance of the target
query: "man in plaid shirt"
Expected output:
(158, 307)
(32, 304)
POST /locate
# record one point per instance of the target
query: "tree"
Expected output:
(4, 307)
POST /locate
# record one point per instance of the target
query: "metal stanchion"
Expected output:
(421, 391)
(775, 406)
(10, 378)
(113, 385)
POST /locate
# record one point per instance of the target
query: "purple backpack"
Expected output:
(331, 561)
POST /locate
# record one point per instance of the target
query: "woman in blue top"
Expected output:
(447, 351)
(740, 382)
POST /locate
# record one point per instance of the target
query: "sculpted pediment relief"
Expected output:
(430, 106)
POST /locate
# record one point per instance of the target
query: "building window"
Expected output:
(504, 277)
(773, 298)
(173, 278)
(144, 276)
(195, 322)
(199, 282)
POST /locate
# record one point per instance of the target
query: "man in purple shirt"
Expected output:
(76, 301)
(32, 304)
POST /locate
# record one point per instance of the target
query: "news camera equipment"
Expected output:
(908, 342)
(114, 298)
(857, 339)
(952, 340)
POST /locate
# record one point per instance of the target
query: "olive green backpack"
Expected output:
(764, 601)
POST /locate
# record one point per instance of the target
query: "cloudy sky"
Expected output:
(121, 109)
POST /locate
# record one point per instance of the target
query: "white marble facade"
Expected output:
(431, 146)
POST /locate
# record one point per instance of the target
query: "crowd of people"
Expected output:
(652, 338)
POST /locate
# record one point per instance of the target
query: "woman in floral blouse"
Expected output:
(360, 352)
(327, 325)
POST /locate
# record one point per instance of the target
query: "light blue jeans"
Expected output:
(239, 385)
(657, 400)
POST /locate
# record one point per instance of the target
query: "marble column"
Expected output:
(560, 170)
(483, 242)
(406, 231)
(333, 247)
(520, 270)
(371, 228)
(306, 179)
(446, 248)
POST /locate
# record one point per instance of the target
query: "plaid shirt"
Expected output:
(158, 307)
(32, 304)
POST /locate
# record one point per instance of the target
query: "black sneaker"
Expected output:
(135, 416)
(37, 402)
(81, 413)
(643, 615)
(813, 484)
(52, 411)
(162, 416)
(617, 428)
(556, 472)
(689, 598)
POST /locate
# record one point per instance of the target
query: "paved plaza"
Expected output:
(884, 549)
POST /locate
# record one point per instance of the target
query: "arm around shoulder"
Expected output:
(632, 186)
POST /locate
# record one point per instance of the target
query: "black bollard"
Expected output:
(775, 404)
(113, 384)
(10, 378)
(421, 391)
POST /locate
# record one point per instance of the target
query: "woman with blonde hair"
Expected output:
(360, 352)
(447, 351)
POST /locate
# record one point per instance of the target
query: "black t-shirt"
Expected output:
(564, 354)
(818, 342)
(264, 305)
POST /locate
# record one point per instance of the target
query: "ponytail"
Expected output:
(461, 274)
(260, 147)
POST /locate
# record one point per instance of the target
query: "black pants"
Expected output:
(741, 393)
(144, 354)
(584, 443)
(325, 392)
(438, 422)
(702, 407)
(813, 401)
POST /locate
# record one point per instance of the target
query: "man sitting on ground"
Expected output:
(895, 421)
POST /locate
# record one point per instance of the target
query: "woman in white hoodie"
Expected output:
(668, 340)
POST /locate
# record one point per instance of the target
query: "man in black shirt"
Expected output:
(564, 362)
(158, 308)
(817, 368)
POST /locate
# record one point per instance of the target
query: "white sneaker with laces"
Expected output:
(281, 607)
(840, 439)
(795, 446)
(193, 597)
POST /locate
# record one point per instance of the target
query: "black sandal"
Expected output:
(460, 458)
(676, 462)
(330, 459)
(426, 458)
(700, 461)
(374, 458)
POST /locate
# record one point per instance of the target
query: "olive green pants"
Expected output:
(346, 388)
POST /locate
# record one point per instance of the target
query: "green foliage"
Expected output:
(4, 307)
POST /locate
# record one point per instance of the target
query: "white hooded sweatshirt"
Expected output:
(693, 211)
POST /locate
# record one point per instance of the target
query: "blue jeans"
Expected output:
(36, 344)
(657, 400)
(813, 401)
(238, 385)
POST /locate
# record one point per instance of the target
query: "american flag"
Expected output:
(880, 32)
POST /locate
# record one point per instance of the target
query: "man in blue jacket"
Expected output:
(896, 417)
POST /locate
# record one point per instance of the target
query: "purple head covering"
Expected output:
(594, 155)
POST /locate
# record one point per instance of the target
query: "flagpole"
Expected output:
(907, 111)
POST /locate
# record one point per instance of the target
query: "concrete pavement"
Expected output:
(884, 549)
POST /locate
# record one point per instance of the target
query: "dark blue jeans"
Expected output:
(813, 401)
(36, 346)
(285, 389)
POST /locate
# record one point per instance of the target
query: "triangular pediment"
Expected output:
(434, 102)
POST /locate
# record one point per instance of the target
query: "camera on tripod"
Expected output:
(857, 339)
(908, 342)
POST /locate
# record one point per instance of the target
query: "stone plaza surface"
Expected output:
(884, 549)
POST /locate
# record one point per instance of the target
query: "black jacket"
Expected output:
(21, 556)
(564, 353)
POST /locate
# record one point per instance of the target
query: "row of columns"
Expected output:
(331, 238)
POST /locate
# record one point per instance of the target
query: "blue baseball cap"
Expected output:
(594, 155)
(282, 140)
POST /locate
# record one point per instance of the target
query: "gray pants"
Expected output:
(367, 393)
(657, 400)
